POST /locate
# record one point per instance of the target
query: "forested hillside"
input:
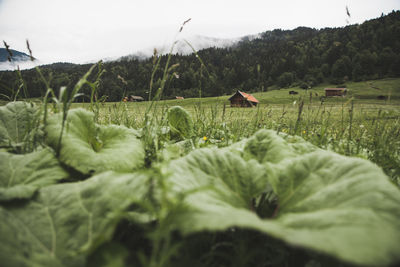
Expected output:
(276, 59)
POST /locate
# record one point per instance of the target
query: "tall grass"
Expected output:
(352, 129)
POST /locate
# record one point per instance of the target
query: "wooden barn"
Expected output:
(241, 99)
(133, 98)
(335, 91)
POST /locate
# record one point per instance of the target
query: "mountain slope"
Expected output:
(16, 55)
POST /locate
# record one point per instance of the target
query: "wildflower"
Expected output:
(361, 126)
(304, 132)
(205, 138)
(222, 139)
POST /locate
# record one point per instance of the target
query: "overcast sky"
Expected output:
(82, 31)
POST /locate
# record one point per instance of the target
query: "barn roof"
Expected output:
(335, 89)
(248, 97)
(136, 97)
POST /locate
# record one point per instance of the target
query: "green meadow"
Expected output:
(359, 124)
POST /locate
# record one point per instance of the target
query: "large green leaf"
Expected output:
(22, 175)
(17, 120)
(228, 174)
(266, 146)
(64, 222)
(180, 122)
(344, 207)
(89, 148)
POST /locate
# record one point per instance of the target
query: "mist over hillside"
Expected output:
(185, 46)
(17, 58)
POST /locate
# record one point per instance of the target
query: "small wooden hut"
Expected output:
(335, 91)
(135, 98)
(241, 99)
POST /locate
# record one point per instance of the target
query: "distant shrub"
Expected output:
(303, 85)
(286, 79)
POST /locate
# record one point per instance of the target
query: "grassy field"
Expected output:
(358, 125)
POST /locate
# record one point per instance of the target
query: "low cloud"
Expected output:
(22, 65)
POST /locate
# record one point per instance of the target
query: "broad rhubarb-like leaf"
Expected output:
(64, 222)
(91, 148)
(17, 120)
(180, 122)
(22, 175)
(344, 207)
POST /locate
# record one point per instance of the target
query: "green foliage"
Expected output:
(286, 79)
(90, 148)
(22, 175)
(342, 69)
(109, 255)
(19, 127)
(180, 122)
(64, 222)
(326, 202)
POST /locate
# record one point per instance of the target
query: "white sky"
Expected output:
(82, 31)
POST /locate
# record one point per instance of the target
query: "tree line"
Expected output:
(276, 59)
